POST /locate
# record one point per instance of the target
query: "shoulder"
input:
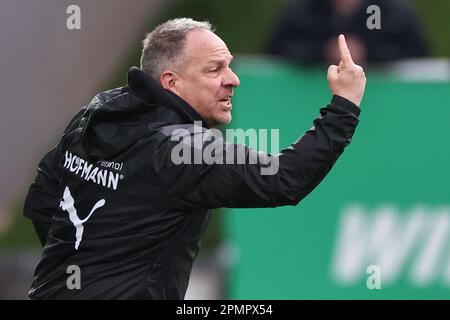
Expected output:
(183, 130)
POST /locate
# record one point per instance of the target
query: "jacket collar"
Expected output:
(151, 92)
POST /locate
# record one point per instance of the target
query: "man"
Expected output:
(110, 201)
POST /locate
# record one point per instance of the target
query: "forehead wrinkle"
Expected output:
(215, 58)
(217, 54)
(205, 60)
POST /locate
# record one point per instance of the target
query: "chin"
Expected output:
(221, 121)
(226, 120)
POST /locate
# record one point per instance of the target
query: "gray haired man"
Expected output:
(109, 199)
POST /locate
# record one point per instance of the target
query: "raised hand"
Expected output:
(347, 80)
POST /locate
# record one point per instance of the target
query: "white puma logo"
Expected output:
(68, 205)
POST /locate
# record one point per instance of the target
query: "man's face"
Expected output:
(205, 80)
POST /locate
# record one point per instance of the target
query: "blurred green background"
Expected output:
(393, 179)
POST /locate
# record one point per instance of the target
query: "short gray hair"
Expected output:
(164, 46)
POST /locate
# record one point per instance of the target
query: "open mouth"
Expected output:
(226, 100)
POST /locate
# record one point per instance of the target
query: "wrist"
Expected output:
(344, 103)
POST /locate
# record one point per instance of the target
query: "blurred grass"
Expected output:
(20, 234)
(435, 16)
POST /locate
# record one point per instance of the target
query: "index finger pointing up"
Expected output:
(346, 57)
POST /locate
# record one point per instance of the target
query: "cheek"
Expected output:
(203, 92)
(194, 94)
(210, 95)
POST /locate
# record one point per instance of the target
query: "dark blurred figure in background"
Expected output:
(307, 29)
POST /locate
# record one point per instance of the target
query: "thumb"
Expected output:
(332, 73)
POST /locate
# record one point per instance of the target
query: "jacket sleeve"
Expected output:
(41, 201)
(275, 180)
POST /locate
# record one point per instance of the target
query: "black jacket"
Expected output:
(109, 199)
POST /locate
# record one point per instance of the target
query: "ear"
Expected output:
(169, 81)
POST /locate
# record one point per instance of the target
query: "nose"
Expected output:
(230, 79)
